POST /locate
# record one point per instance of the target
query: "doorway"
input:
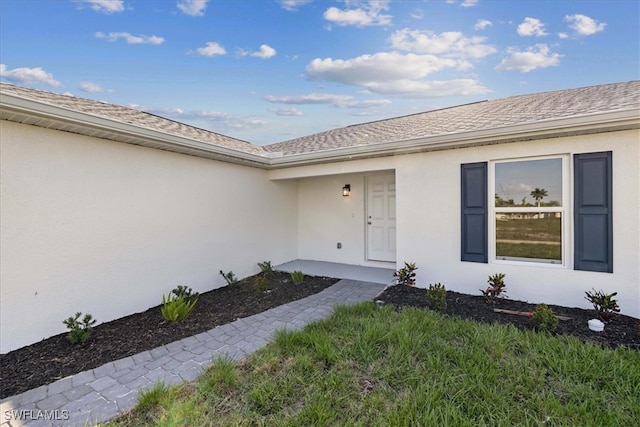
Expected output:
(381, 218)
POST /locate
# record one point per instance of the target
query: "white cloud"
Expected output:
(378, 67)
(28, 75)
(105, 6)
(538, 56)
(227, 120)
(563, 35)
(368, 103)
(417, 14)
(211, 49)
(292, 5)
(394, 74)
(583, 25)
(482, 24)
(365, 14)
(450, 43)
(192, 7)
(312, 98)
(130, 39)
(92, 87)
(265, 52)
(287, 111)
(429, 89)
(531, 27)
(214, 120)
(339, 101)
(464, 3)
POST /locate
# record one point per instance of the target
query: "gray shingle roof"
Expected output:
(131, 117)
(486, 115)
(497, 113)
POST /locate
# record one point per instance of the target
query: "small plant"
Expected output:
(261, 283)
(177, 306)
(229, 277)
(496, 288)
(604, 304)
(297, 277)
(266, 269)
(544, 318)
(437, 296)
(79, 331)
(406, 275)
(185, 292)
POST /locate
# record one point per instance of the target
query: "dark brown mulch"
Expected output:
(622, 331)
(53, 358)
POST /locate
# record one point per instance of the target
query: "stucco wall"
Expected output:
(428, 206)
(428, 222)
(107, 228)
(326, 218)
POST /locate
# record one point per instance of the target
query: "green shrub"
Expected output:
(437, 296)
(604, 304)
(79, 331)
(261, 283)
(496, 288)
(176, 307)
(297, 277)
(265, 268)
(185, 292)
(229, 277)
(544, 318)
(406, 275)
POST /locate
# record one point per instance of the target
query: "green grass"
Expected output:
(529, 250)
(372, 366)
(543, 229)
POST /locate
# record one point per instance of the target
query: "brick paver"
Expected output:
(100, 394)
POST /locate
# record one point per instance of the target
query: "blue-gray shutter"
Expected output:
(593, 212)
(474, 221)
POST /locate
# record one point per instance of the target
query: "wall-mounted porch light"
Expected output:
(346, 190)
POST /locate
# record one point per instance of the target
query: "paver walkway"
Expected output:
(102, 393)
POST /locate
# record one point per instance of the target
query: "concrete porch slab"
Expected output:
(340, 271)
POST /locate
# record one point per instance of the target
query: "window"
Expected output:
(528, 211)
(522, 210)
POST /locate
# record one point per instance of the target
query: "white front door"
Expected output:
(381, 218)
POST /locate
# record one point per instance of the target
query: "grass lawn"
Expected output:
(529, 250)
(372, 366)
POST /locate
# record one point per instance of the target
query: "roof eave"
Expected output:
(618, 120)
(68, 120)
(55, 117)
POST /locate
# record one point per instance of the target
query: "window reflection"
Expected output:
(530, 236)
(529, 183)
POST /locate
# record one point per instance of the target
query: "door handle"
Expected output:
(369, 222)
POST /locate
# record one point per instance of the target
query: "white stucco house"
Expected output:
(104, 208)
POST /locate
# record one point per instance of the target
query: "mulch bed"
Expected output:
(622, 331)
(54, 358)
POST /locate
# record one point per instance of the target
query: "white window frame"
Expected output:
(565, 210)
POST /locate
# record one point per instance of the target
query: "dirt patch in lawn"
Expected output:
(54, 358)
(621, 331)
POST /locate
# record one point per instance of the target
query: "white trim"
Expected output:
(70, 120)
(20, 109)
(565, 210)
(583, 124)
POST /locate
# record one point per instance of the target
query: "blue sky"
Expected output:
(270, 70)
(516, 180)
